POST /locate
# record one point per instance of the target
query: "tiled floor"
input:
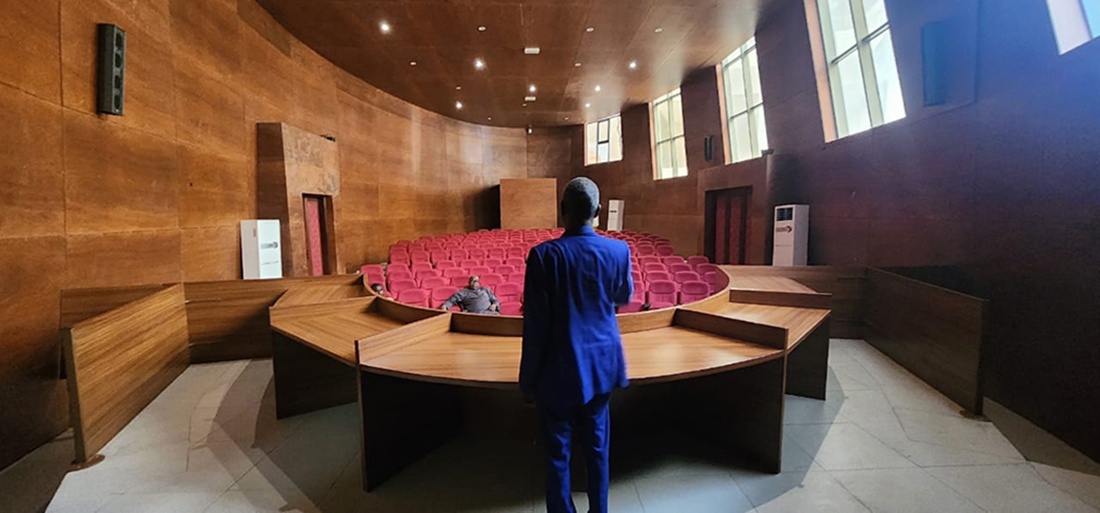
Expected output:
(883, 441)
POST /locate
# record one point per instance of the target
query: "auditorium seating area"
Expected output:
(427, 271)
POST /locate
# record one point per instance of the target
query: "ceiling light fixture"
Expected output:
(481, 28)
(490, 118)
(412, 63)
(529, 129)
(633, 65)
(587, 105)
(597, 88)
(479, 64)
(458, 88)
(525, 105)
(458, 105)
(528, 98)
(576, 64)
(590, 29)
(658, 30)
(532, 50)
(384, 27)
(532, 88)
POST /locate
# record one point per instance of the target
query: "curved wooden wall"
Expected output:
(155, 196)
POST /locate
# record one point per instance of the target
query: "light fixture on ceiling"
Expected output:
(597, 88)
(587, 105)
(590, 29)
(458, 105)
(481, 28)
(490, 118)
(633, 65)
(532, 50)
(529, 129)
(479, 64)
(576, 64)
(658, 30)
(528, 98)
(412, 63)
(567, 118)
(384, 27)
(532, 88)
(458, 88)
(525, 105)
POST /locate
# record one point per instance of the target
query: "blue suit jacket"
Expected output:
(572, 350)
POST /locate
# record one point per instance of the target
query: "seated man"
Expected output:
(474, 299)
(377, 288)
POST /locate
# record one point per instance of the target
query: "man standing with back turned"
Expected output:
(572, 351)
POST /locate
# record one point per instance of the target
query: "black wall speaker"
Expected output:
(112, 64)
(934, 48)
(708, 147)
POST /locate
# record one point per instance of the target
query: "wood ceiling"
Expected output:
(669, 39)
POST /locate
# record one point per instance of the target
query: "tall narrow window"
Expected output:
(604, 141)
(1076, 22)
(744, 104)
(668, 136)
(863, 75)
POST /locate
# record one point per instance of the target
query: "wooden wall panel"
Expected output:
(528, 203)
(32, 182)
(32, 26)
(116, 259)
(209, 254)
(119, 361)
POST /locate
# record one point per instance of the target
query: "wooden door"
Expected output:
(728, 212)
(316, 243)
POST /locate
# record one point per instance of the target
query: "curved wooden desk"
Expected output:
(717, 369)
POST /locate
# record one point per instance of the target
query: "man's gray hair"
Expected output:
(580, 199)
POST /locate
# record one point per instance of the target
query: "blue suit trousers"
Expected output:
(592, 422)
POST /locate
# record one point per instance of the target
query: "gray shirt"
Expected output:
(472, 300)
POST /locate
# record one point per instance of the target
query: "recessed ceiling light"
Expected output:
(587, 105)
(458, 105)
(412, 63)
(567, 118)
(633, 65)
(525, 105)
(590, 29)
(529, 129)
(478, 63)
(658, 30)
(532, 50)
(384, 27)
(481, 28)
(490, 118)
(597, 88)
(528, 98)
(576, 64)
(532, 88)
(458, 88)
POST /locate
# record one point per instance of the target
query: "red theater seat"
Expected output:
(515, 278)
(457, 254)
(479, 271)
(497, 253)
(646, 250)
(683, 277)
(653, 268)
(446, 264)
(419, 255)
(515, 262)
(455, 273)
(491, 280)
(460, 281)
(492, 262)
(440, 295)
(420, 266)
(517, 252)
(696, 260)
(658, 276)
(504, 270)
(661, 292)
(679, 268)
(469, 264)
(415, 297)
(513, 309)
(399, 286)
(433, 282)
(665, 250)
(649, 259)
(509, 292)
(692, 291)
(477, 253)
(399, 257)
(672, 259)
(367, 269)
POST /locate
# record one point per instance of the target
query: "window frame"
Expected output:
(756, 149)
(607, 141)
(661, 101)
(864, 36)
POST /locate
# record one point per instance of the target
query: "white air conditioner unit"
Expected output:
(792, 235)
(261, 254)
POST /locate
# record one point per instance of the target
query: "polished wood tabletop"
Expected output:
(657, 355)
(335, 330)
(799, 322)
(771, 283)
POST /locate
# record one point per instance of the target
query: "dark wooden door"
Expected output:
(728, 225)
(316, 243)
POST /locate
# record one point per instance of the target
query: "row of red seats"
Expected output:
(493, 281)
(511, 300)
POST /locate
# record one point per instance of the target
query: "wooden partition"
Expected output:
(80, 304)
(119, 361)
(845, 284)
(933, 332)
(228, 320)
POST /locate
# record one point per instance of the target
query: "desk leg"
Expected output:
(740, 411)
(808, 365)
(402, 420)
(306, 380)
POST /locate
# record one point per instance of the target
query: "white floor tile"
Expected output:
(907, 490)
(845, 447)
(196, 502)
(692, 493)
(956, 432)
(812, 490)
(1009, 489)
(1083, 486)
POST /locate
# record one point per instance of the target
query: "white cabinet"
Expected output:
(792, 235)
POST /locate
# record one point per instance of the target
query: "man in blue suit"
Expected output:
(572, 351)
